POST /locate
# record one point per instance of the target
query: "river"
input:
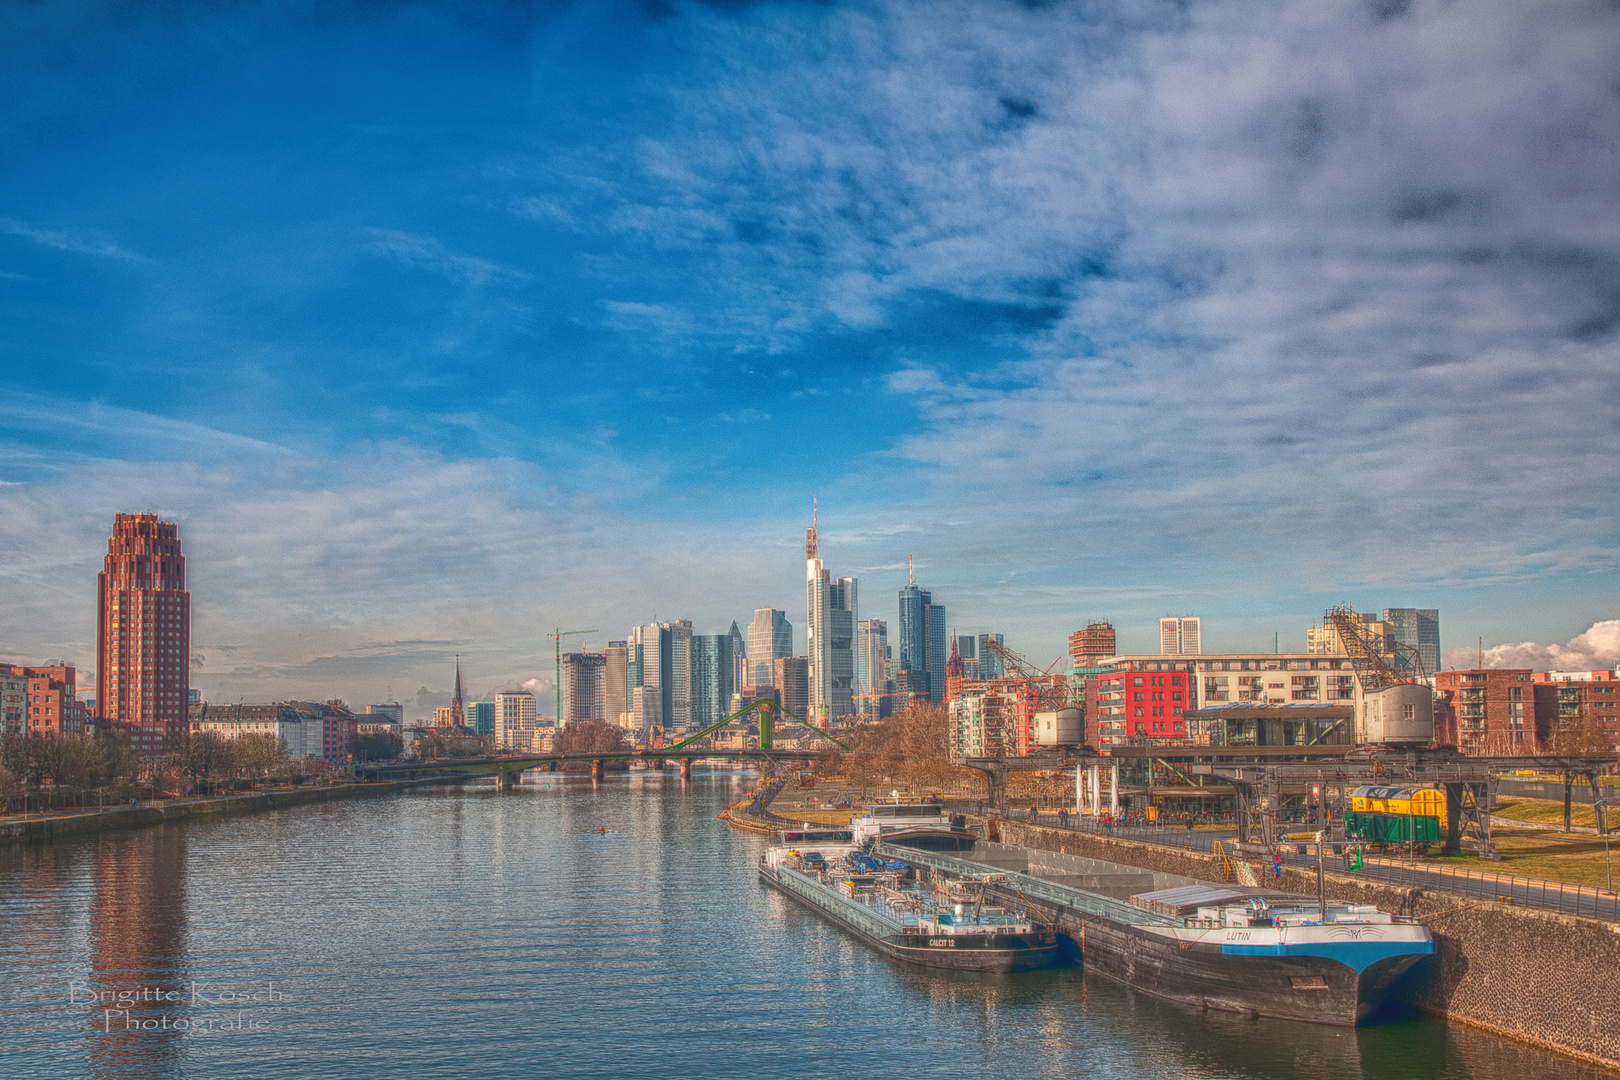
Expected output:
(473, 934)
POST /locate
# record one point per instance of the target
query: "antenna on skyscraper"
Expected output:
(911, 574)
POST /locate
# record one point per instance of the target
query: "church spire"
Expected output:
(458, 710)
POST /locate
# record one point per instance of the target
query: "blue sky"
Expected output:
(437, 329)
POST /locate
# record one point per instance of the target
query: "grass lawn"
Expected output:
(1550, 812)
(1528, 855)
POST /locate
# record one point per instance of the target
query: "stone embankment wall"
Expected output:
(1545, 978)
(44, 830)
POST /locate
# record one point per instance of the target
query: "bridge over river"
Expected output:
(694, 747)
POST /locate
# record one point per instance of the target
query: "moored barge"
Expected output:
(869, 900)
(1207, 944)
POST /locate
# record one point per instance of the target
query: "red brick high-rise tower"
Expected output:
(143, 632)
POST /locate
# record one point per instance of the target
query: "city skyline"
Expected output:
(1100, 314)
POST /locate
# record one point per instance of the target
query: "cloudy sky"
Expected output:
(439, 326)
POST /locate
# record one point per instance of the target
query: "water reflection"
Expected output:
(137, 949)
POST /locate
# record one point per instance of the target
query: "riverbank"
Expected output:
(42, 830)
(1540, 977)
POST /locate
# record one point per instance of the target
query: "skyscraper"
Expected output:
(1419, 630)
(665, 653)
(584, 687)
(939, 649)
(990, 665)
(711, 678)
(831, 607)
(770, 637)
(616, 682)
(143, 632)
(741, 674)
(872, 669)
(924, 642)
(791, 680)
(1180, 636)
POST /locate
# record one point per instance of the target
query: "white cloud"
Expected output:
(78, 241)
(1598, 649)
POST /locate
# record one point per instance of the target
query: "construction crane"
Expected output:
(558, 634)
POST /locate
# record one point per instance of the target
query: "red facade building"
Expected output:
(1491, 711)
(51, 705)
(1146, 699)
(143, 632)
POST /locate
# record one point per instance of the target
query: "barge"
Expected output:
(1207, 944)
(920, 825)
(869, 899)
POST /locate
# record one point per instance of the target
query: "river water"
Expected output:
(469, 933)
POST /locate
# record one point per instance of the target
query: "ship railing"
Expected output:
(1039, 888)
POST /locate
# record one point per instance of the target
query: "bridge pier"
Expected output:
(503, 780)
(686, 768)
(596, 768)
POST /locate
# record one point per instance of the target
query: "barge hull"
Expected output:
(991, 960)
(1311, 989)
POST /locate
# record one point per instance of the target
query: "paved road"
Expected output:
(1530, 892)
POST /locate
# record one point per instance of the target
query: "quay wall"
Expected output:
(1541, 977)
(44, 830)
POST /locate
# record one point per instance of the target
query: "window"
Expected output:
(1137, 681)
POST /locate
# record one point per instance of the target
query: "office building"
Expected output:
(481, 717)
(616, 683)
(1419, 630)
(872, 669)
(770, 638)
(393, 710)
(741, 673)
(1566, 697)
(515, 716)
(924, 644)
(663, 652)
(792, 681)
(1092, 645)
(990, 665)
(584, 676)
(711, 679)
(831, 610)
(1180, 636)
(143, 632)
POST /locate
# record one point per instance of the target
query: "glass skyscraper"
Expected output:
(711, 678)
(1419, 630)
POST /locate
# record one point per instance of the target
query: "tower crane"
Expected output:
(558, 634)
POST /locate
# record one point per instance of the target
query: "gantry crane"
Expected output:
(1041, 692)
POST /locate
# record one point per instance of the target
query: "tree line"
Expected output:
(911, 748)
(41, 772)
